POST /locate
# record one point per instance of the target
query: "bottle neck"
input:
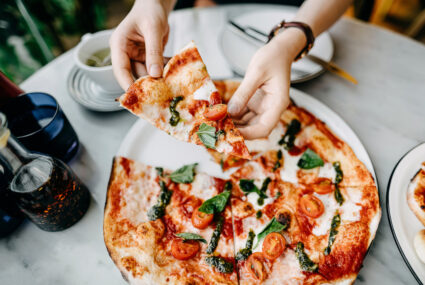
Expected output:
(13, 151)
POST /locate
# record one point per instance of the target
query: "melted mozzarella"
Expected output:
(327, 171)
(290, 168)
(154, 112)
(253, 199)
(224, 146)
(250, 223)
(270, 143)
(286, 270)
(204, 92)
(203, 186)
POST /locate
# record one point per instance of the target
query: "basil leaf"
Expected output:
(273, 226)
(310, 160)
(248, 186)
(338, 195)
(207, 135)
(215, 204)
(339, 174)
(336, 221)
(306, 263)
(190, 236)
(184, 174)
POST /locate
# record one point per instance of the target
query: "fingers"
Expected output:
(139, 69)
(244, 119)
(121, 62)
(154, 48)
(242, 95)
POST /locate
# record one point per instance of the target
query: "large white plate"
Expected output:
(149, 145)
(238, 51)
(403, 222)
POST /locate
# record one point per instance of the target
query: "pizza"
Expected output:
(303, 210)
(155, 232)
(416, 194)
(185, 103)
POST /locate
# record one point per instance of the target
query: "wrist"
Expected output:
(292, 39)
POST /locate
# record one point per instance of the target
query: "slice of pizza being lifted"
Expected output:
(185, 103)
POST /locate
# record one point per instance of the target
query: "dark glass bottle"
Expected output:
(45, 188)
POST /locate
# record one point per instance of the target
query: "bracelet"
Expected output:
(299, 25)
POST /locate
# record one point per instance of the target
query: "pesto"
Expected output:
(215, 236)
(259, 214)
(244, 253)
(158, 211)
(336, 221)
(339, 173)
(175, 115)
(159, 171)
(279, 158)
(288, 139)
(338, 196)
(306, 263)
(220, 264)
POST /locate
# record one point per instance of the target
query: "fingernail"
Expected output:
(155, 70)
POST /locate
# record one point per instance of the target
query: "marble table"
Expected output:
(386, 110)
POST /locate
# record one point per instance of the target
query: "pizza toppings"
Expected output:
(336, 221)
(215, 236)
(175, 115)
(311, 206)
(259, 214)
(191, 236)
(207, 135)
(184, 249)
(220, 264)
(248, 186)
(338, 196)
(244, 253)
(273, 246)
(279, 160)
(184, 174)
(306, 263)
(217, 203)
(288, 139)
(201, 220)
(216, 112)
(158, 211)
(323, 185)
(256, 266)
(338, 178)
(205, 91)
(273, 226)
(310, 160)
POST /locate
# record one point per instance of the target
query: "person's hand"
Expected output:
(263, 94)
(138, 42)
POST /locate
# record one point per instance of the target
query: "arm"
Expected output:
(264, 92)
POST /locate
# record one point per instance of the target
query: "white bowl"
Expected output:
(102, 76)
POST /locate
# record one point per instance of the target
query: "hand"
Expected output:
(263, 94)
(138, 42)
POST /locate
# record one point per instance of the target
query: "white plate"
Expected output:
(238, 50)
(149, 145)
(403, 222)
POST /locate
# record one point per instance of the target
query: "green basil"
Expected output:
(175, 115)
(310, 160)
(215, 204)
(248, 186)
(191, 236)
(219, 133)
(273, 226)
(306, 263)
(336, 221)
(215, 236)
(159, 171)
(158, 210)
(220, 264)
(244, 253)
(338, 195)
(288, 138)
(184, 174)
(207, 135)
(339, 174)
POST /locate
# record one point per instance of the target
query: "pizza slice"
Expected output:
(416, 194)
(169, 227)
(185, 103)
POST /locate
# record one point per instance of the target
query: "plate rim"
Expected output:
(387, 204)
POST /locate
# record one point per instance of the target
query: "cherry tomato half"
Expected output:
(273, 246)
(201, 220)
(311, 206)
(215, 98)
(216, 112)
(255, 264)
(183, 250)
(323, 186)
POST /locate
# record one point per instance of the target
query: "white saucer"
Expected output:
(239, 50)
(404, 224)
(87, 93)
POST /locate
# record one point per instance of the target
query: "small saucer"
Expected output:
(87, 93)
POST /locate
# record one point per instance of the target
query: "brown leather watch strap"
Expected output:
(299, 25)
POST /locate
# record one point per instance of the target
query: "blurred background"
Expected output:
(34, 32)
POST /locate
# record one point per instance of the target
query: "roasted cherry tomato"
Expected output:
(311, 206)
(216, 112)
(215, 98)
(323, 186)
(201, 220)
(273, 246)
(183, 250)
(255, 264)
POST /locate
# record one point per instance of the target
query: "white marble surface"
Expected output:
(386, 110)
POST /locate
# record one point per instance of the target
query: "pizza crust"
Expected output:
(416, 194)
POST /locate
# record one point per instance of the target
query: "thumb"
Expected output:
(245, 91)
(154, 49)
